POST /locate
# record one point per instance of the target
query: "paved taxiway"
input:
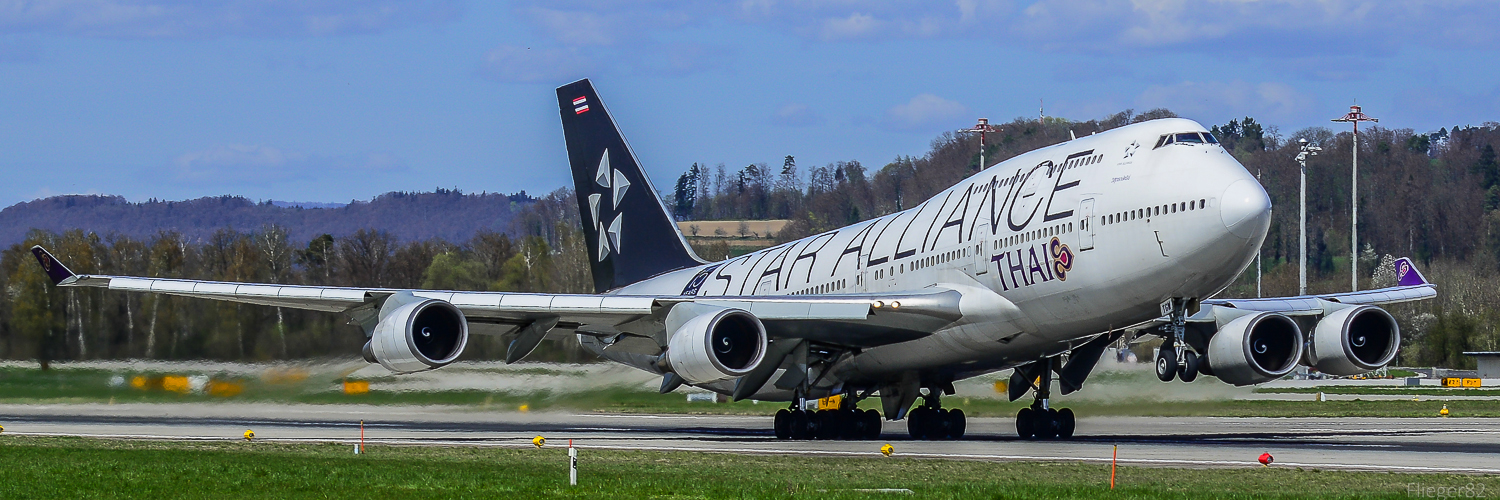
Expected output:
(1466, 445)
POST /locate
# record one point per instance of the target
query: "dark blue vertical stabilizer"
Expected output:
(630, 235)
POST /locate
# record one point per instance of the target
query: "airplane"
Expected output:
(1036, 264)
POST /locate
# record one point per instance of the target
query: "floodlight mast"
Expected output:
(1304, 150)
(1354, 116)
(982, 128)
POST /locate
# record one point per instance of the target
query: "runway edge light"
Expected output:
(1265, 459)
(249, 435)
(538, 441)
(887, 450)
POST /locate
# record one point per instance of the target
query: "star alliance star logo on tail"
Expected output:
(614, 184)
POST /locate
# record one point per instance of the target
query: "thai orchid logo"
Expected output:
(1062, 258)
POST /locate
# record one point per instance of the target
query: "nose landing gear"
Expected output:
(1175, 359)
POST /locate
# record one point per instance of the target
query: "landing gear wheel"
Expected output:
(800, 426)
(1166, 363)
(1046, 424)
(1025, 425)
(872, 424)
(828, 425)
(1189, 370)
(916, 422)
(956, 424)
(939, 427)
(1065, 423)
(783, 425)
(853, 424)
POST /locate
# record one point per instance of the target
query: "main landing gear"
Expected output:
(1040, 421)
(932, 422)
(842, 424)
(1175, 358)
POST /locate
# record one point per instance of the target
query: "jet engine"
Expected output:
(1255, 348)
(419, 335)
(717, 344)
(1354, 340)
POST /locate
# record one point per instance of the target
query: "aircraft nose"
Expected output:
(1245, 208)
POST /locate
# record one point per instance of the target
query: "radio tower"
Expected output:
(1355, 116)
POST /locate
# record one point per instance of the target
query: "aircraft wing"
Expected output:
(852, 320)
(1410, 286)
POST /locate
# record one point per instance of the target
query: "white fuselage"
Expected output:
(1133, 225)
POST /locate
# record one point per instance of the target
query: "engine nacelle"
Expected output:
(417, 336)
(1354, 340)
(1255, 348)
(717, 344)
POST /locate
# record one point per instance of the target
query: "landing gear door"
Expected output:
(1086, 225)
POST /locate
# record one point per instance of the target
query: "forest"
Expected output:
(1434, 196)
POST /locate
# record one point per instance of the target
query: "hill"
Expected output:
(448, 214)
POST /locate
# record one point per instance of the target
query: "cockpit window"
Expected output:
(1210, 138)
(1189, 137)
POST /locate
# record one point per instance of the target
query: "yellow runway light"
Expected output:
(538, 441)
(249, 435)
(525, 408)
(175, 383)
(887, 450)
(1444, 411)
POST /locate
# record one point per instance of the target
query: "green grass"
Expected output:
(1383, 390)
(76, 385)
(90, 468)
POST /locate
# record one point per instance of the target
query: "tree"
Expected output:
(450, 271)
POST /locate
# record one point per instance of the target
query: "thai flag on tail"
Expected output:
(580, 105)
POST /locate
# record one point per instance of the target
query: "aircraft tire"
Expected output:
(851, 425)
(1166, 363)
(1188, 372)
(956, 424)
(1025, 427)
(1046, 424)
(872, 424)
(798, 425)
(1065, 423)
(916, 423)
(941, 426)
(783, 426)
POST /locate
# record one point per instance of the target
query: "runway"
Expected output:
(1457, 445)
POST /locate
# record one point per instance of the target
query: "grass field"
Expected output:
(82, 385)
(89, 468)
(1383, 390)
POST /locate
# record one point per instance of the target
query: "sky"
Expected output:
(339, 100)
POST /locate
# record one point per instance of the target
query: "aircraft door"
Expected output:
(1086, 225)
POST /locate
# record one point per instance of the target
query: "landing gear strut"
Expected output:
(933, 422)
(1040, 421)
(1174, 359)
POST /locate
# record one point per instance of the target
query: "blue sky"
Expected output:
(333, 100)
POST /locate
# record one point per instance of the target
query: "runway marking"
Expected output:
(524, 443)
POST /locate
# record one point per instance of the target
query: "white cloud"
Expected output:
(258, 164)
(511, 63)
(925, 112)
(219, 18)
(796, 115)
(1196, 99)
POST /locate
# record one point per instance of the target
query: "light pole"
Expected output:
(982, 128)
(1354, 116)
(1304, 150)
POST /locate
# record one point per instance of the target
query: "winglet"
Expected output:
(55, 270)
(1407, 274)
